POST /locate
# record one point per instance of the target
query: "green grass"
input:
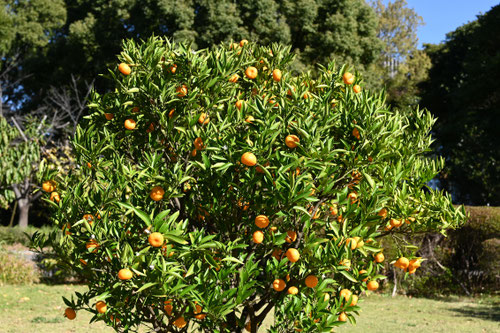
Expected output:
(39, 308)
(382, 314)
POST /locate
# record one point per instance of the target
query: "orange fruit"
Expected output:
(125, 274)
(130, 124)
(379, 257)
(248, 159)
(293, 290)
(113, 319)
(291, 236)
(356, 88)
(412, 271)
(395, 223)
(311, 281)
(279, 285)
(203, 119)
(402, 263)
(372, 285)
(353, 197)
(348, 78)
(334, 210)
(382, 213)
(194, 152)
(198, 144)
(101, 307)
(181, 91)
(135, 109)
(180, 322)
(171, 113)
(355, 133)
(277, 75)
(291, 141)
(248, 326)
(157, 193)
(251, 72)
(156, 239)
(277, 253)
(326, 297)
(354, 300)
(360, 242)
(109, 116)
(70, 313)
(361, 272)
(262, 221)
(293, 255)
(151, 128)
(414, 263)
(258, 237)
(352, 242)
(168, 307)
(89, 218)
(234, 78)
(342, 316)
(49, 186)
(345, 293)
(54, 196)
(83, 262)
(173, 68)
(243, 42)
(92, 244)
(124, 69)
(197, 312)
(250, 119)
(239, 104)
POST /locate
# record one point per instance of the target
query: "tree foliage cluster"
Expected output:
(87, 40)
(464, 92)
(215, 186)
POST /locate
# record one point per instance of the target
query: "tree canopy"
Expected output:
(216, 185)
(401, 66)
(92, 33)
(464, 92)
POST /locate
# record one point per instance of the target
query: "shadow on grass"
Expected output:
(485, 312)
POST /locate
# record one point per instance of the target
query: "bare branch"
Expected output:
(19, 129)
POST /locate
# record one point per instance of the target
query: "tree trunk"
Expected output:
(24, 208)
(395, 289)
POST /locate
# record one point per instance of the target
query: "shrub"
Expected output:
(16, 235)
(213, 185)
(464, 262)
(16, 270)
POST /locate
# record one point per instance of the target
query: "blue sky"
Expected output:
(443, 16)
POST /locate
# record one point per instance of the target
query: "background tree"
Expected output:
(19, 159)
(401, 66)
(92, 34)
(215, 186)
(27, 27)
(463, 91)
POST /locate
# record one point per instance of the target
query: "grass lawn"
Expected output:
(39, 308)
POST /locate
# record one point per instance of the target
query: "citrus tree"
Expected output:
(215, 187)
(19, 160)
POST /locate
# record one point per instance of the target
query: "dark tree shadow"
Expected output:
(486, 312)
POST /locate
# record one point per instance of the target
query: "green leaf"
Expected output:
(142, 215)
(348, 276)
(146, 286)
(175, 238)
